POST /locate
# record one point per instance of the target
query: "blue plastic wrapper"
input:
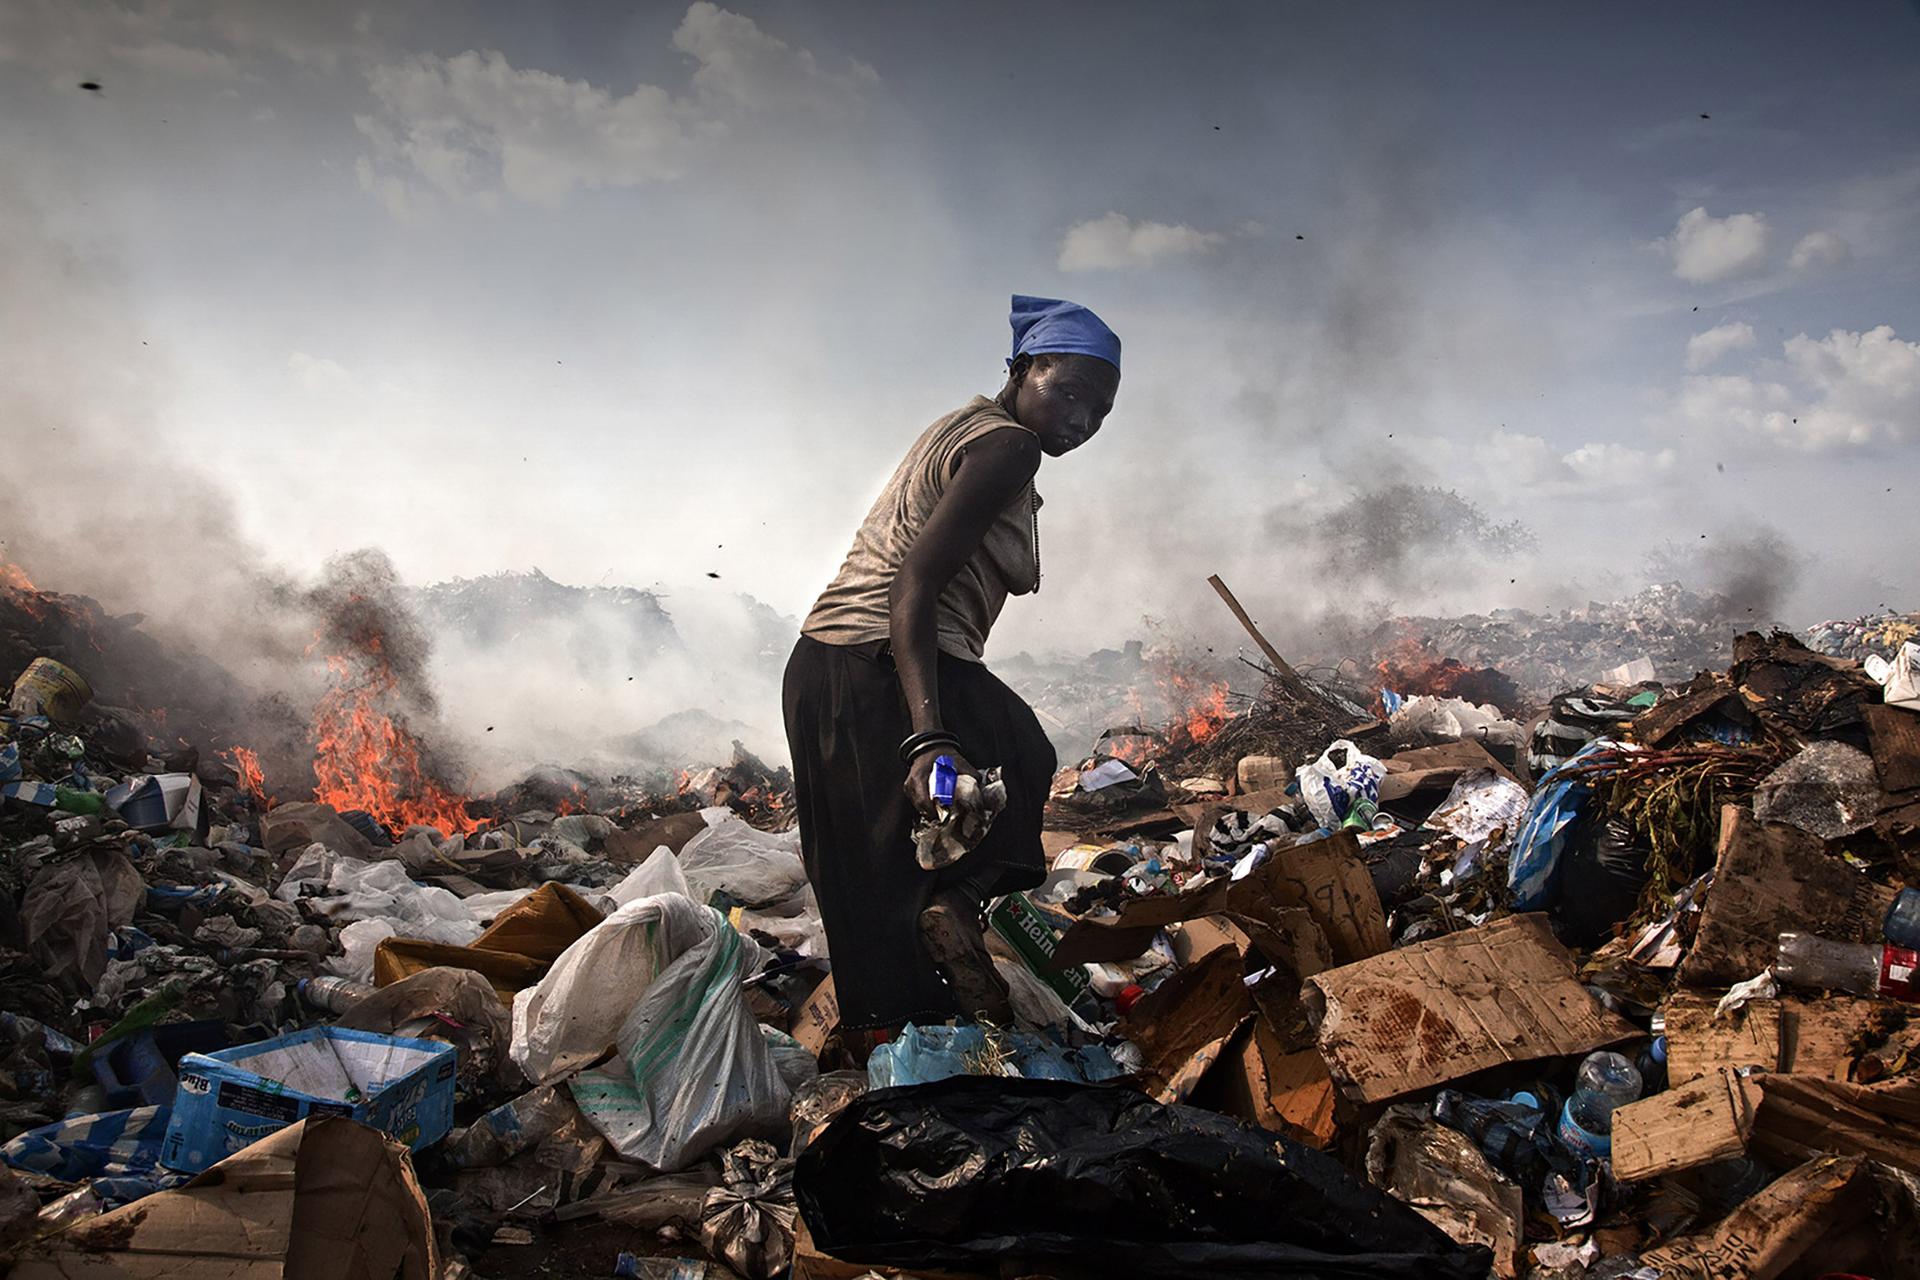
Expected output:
(921, 1055)
(117, 1151)
(944, 776)
(1559, 804)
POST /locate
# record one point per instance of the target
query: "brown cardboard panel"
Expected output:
(637, 844)
(1818, 1033)
(1325, 878)
(1445, 1008)
(1802, 1116)
(1691, 1124)
(513, 953)
(1775, 1228)
(1437, 766)
(817, 1017)
(324, 1199)
(1769, 879)
(1182, 1027)
(1698, 1043)
(1192, 940)
(1894, 735)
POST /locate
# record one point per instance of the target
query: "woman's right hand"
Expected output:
(919, 783)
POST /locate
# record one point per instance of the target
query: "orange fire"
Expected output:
(253, 779)
(363, 759)
(28, 598)
(1413, 666)
(1200, 705)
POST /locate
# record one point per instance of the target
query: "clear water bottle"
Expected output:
(1605, 1081)
(1816, 963)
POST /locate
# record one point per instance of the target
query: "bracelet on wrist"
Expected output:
(917, 744)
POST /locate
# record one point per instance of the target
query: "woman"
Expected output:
(887, 676)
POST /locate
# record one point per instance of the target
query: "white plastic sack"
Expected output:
(1899, 679)
(753, 867)
(1425, 716)
(357, 943)
(694, 1070)
(1329, 789)
(347, 890)
(659, 874)
(1481, 803)
(574, 1014)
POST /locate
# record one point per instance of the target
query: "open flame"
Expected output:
(364, 759)
(24, 596)
(1200, 705)
(1413, 666)
(253, 779)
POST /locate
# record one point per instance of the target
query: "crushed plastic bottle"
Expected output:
(1821, 964)
(1604, 1082)
(334, 995)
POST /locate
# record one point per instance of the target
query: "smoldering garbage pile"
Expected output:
(1620, 984)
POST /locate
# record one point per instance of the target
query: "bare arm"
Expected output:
(992, 472)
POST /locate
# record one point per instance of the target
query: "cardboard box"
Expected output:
(232, 1099)
(325, 1199)
(1439, 1010)
(1326, 879)
(1259, 1081)
(818, 1017)
(1769, 879)
(1784, 1118)
(1183, 1026)
(1036, 942)
(1775, 1228)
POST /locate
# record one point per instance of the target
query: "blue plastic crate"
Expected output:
(231, 1099)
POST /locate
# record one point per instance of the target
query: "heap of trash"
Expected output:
(1620, 982)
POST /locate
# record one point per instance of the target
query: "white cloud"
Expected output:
(1846, 390)
(1705, 248)
(1513, 461)
(1116, 242)
(1708, 348)
(1820, 249)
(473, 125)
(316, 373)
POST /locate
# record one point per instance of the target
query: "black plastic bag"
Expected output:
(973, 1170)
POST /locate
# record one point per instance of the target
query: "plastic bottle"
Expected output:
(1903, 920)
(76, 800)
(1605, 1081)
(1651, 1063)
(1806, 960)
(335, 995)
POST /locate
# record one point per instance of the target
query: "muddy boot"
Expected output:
(950, 926)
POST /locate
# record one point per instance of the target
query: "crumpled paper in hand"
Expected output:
(961, 827)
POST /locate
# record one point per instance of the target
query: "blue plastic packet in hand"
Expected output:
(944, 775)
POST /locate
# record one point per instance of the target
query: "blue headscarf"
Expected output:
(1046, 326)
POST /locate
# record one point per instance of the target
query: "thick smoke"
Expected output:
(1757, 571)
(92, 503)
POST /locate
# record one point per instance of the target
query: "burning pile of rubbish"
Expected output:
(1411, 965)
(1664, 632)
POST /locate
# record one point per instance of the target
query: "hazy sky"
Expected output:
(639, 293)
